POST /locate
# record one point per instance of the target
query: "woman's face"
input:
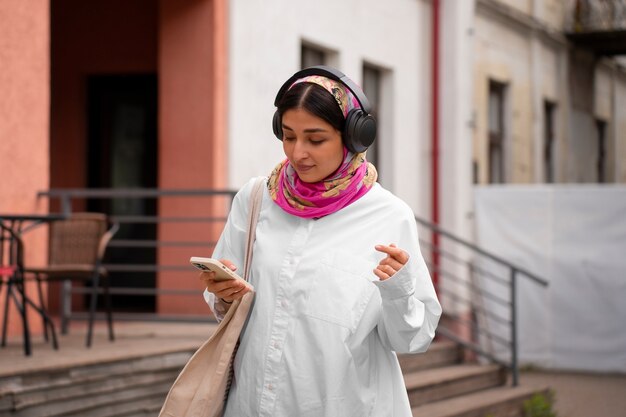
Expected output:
(311, 144)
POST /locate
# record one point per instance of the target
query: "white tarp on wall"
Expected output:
(575, 237)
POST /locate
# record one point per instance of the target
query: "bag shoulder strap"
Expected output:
(254, 207)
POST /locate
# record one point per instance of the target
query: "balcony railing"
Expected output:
(598, 25)
(597, 15)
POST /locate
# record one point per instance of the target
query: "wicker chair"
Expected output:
(76, 251)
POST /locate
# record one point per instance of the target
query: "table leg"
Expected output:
(24, 313)
(6, 313)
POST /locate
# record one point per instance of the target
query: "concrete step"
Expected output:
(438, 354)
(81, 399)
(145, 406)
(104, 389)
(45, 379)
(433, 385)
(498, 402)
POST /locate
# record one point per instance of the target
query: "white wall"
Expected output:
(572, 236)
(456, 130)
(264, 47)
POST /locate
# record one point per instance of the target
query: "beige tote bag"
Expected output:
(201, 388)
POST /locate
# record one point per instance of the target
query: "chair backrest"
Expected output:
(75, 240)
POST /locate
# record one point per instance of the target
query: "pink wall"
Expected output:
(43, 111)
(24, 119)
(178, 40)
(92, 37)
(192, 154)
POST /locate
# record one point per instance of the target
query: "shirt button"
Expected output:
(270, 387)
(284, 303)
(276, 345)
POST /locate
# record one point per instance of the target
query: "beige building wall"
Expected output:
(524, 6)
(522, 45)
(599, 98)
(502, 55)
(602, 100)
(551, 12)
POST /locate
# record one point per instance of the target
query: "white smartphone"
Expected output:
(222, 272)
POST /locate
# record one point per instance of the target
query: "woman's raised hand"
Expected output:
(228, 290)
(396, 258)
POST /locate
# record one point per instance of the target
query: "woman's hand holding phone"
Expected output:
(228, 290)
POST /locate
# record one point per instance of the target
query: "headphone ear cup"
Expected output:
(360, 131)
(277, 125)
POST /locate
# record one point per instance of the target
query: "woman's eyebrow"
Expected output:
(311, 130)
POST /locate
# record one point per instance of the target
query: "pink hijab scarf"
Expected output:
(352, 180)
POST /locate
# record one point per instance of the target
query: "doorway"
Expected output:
(122, 153)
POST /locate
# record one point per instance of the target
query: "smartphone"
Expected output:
(222, 272)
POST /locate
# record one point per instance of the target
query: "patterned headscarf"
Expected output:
(352, 180)
(343, 96)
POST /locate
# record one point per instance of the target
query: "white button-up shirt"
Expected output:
(322, 333)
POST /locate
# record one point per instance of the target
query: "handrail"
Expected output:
(489, 309)
(440, 255)
(133, 192)
(481, 251)
(67, 194)
(140, 269)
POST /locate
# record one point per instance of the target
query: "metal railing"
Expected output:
(478, 282)
(596, 15)
(132, 255)
(481, 292)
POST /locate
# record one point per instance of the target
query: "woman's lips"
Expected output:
(304, 168)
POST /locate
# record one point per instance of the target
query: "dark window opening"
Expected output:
(496, 151)
(549, 109)
(122, 153)
(372, 80)
(310, 56)
(601, 162)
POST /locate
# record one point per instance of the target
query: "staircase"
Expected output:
(439, 384)
(123, 388)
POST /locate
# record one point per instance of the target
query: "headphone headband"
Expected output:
(333, 74)
(360, 127)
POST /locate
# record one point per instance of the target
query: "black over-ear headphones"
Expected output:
(360, 129)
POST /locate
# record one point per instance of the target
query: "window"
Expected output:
(548, 141)
(310, 56)
(601, 162)
(496, 152)
(372, 78)
(475, 171)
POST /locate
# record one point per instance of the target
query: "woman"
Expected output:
(339, 278)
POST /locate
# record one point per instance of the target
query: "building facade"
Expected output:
(175, 94)
(546, 109)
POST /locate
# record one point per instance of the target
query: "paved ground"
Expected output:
(132, 340)
(582, 394)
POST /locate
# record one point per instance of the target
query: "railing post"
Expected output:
(66, 205)
(66, 305)
(514, 367)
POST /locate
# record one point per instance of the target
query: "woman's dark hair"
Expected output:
(314, 99)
